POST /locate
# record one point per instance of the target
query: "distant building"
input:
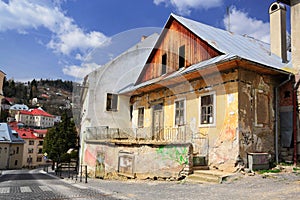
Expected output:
(33, 148)
(6, 103)
(11, 148)
(2, 75)
(37, 118)
(13, 110)
(57, 119)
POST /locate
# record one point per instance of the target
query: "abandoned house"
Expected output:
(204, 97)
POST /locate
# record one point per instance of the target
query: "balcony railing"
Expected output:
(146, 134)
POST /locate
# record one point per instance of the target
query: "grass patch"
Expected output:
(268, 171)
(296, 169)
(285, 164)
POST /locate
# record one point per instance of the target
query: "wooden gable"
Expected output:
(176, 47)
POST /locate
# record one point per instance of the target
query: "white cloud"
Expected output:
(184, 6)
(241, 23)
(80, 72)
(66, 35)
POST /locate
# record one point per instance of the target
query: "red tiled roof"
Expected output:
(27, 133)
(36, 112)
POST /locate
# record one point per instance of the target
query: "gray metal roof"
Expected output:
(231, 45)
(7, 135)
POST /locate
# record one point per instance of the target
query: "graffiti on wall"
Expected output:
(178, 155)
(100, 165)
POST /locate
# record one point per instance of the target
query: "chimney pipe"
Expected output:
(295, 34)
(278, 40)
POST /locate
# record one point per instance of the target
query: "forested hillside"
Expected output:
(52, 95)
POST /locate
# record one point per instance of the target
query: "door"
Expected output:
(158, 122)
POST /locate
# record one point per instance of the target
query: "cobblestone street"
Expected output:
(268, 186)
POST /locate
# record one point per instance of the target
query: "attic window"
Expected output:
(181, 56)
(164, 64)
(111, 102)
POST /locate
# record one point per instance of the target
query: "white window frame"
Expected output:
(184, 114)
(214, 109)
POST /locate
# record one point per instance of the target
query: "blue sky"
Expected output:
(53, 39)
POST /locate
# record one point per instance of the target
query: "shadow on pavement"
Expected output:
(25, 176)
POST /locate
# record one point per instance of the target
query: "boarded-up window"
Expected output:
(164, 64)
(141, 117)
(111, 102)
(126, 163)
(179, 112)
(262, 114)
(182, 56)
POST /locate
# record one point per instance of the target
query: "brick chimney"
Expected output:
(278, 40)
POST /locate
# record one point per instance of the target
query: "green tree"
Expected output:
(60, 139)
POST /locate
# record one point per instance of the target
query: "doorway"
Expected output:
(158, 122)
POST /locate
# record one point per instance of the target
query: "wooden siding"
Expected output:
(174, 36)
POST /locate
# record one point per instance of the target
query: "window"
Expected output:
(182, 56)
(39, 159)
(30, 150)
(31, 142)
(141, 117)
(29, 160)
(207, 109)
(41, 142)
(111, 102)
(17, 151)
(131, 112)
(261, 108)
(164, 64)
(179, 112)
(16, 162)
(40, 151)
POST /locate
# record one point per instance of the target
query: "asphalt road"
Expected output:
(34, 185)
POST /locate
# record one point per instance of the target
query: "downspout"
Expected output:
(277, 115)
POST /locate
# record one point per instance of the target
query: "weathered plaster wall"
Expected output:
(223, 139)
(256, 113)
(218, 142)
(4, 154)
(148, 161)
